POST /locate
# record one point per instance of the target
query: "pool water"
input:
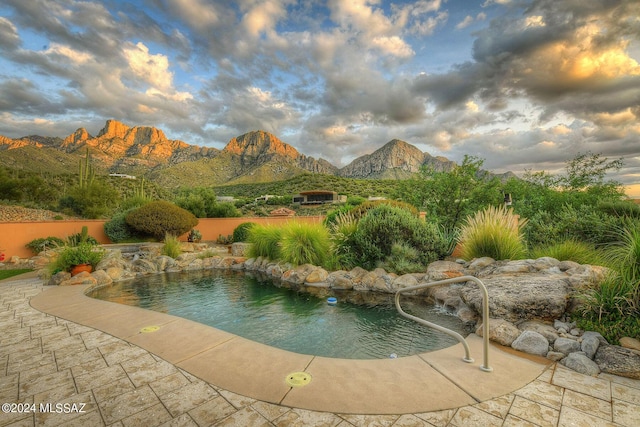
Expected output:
(258, 310)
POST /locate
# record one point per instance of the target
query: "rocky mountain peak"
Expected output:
(395, 154)
(259, 144)
(113, 129)
(79, 136)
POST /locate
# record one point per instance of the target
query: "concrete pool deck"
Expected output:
(128, 365)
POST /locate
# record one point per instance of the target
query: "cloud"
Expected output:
(9, 38)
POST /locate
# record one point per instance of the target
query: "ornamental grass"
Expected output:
(493, 232)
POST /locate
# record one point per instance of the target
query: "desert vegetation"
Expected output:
(578, 215)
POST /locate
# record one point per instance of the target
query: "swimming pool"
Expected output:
(256, 309)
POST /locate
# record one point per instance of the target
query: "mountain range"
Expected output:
(255, 156)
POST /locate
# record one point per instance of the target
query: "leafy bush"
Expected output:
(39, 245)
(70, 256)
(159, 218)
(224, 210)
(302, 243)
(569, 250)
(620, 208)
(241, 232)
(493, 232)
(117, 229)
(385, 225)
(265, 241)
(403, 259)
(582, 223)
(93, 200)
(171, 246)
(362, 209)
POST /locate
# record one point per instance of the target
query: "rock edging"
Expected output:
(529, 304)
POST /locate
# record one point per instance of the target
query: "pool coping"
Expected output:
(424, 382)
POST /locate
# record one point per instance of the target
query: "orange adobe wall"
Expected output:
(15, 235)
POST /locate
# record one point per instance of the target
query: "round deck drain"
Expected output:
(298, 379)
(148, 329)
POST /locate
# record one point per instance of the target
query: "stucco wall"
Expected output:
(14, 235)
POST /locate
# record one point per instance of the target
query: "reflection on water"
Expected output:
(258, 310)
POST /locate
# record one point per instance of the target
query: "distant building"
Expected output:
(122, 175)
(376, 198)
(228, 199)
(264, 198)
(282, 212)
(317, 197)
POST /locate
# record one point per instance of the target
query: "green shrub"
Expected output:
(159, 218)
(265, 241)
(582, 223)
(385, 225)
(39, 245)
(403, 259)
(493, 232)
(117, 229)
(171, 246)
(569, 250)
(305, 244)
(194, 235)
(224, 210)
(241, 232)
(342, 229)
(620, 208)
(624, 254)
(613, 306)
(82, 237)
(332, 216)
(70, 256)
(362, 209)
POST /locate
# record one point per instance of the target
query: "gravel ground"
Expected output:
(19, 213)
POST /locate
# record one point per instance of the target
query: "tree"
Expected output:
(449, 197)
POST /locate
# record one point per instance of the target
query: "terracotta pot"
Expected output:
(80, 268)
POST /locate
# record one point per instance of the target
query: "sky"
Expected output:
(522, 84)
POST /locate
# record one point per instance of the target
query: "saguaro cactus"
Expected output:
(86, 172)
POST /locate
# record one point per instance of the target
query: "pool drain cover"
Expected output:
(148, 329)
(298, 379)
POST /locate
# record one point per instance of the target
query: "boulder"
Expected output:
(516, 267)
(102, 277)
(317, 275)
(58, 278)
(83, 278)
(501, 331)
(531, 342)
(480, 263)
(240, 248)
(517, 298)
(163, 262)
(566, 345)
(618, 361)
(143, 266)
(404, 281)
(581, 363)
(544, 329)
(297, 275)
(442, 270)
(631, 343)
(589, 345)
(339, 280)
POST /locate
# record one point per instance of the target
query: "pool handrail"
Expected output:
(485, 316)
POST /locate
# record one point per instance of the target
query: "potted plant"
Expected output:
(75, 259)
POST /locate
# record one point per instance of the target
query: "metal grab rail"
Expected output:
(485, 317)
